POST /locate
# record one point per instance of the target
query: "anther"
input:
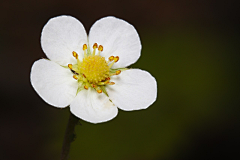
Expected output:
(84, 49)
(111, 58)
(100, 49)
(75, 77)
(86, 87)
(118, 72)
(99, 91)
(94, 48)
(70, 66)
(84, 76)
(116, 59)
(108, 78)
(75, 54)
(111, 83)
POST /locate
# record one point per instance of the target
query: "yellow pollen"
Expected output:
(116, 59)
(75, 77)
(95, 46)
(111, 83)
(94, 68)
(118, 72)
(84, 47)
(70, 66)
(100, 48)
(99, 91)
(75, 54)
(111, 58)
(86, 87)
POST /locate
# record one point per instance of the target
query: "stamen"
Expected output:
(75, 54)
(75, 77)
(111, 58)
(84, 49)
(86, 87)
(111, 83)
(70, 66)
(116, 59)
(103, 83)
(100, 49)
(99, 91)
(118, 72)
(94, 48)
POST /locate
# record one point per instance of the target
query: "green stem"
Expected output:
(69, 136)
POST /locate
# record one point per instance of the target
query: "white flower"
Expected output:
(89, 72)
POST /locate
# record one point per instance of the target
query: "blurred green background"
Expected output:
(190, 47)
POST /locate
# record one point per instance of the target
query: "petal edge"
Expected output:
(134, 89)
(118, 38)
(93, 107)
(53, 83)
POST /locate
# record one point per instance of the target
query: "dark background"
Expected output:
(190, 47)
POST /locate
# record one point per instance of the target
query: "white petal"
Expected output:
(134, 89)
(61, 36)
(93, 107)
(53, 83)
(118, 38)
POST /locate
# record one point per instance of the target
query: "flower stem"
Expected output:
(69, 136)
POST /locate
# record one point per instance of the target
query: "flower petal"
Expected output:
(93, 107)
(118, 38)
(61, 36)
(53, 83)
(134, 89)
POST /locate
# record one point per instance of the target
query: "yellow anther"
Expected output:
(118, 72)
(95, 46)
(70, 66)
(111, 58)
(116, 59)
(84, 47)
(75, 77)
(111, 83)
(100, 48)
(86, 87)
(99, 91)
(75, 54)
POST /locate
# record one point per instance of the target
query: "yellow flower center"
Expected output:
(95, 68)
(94, 71)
